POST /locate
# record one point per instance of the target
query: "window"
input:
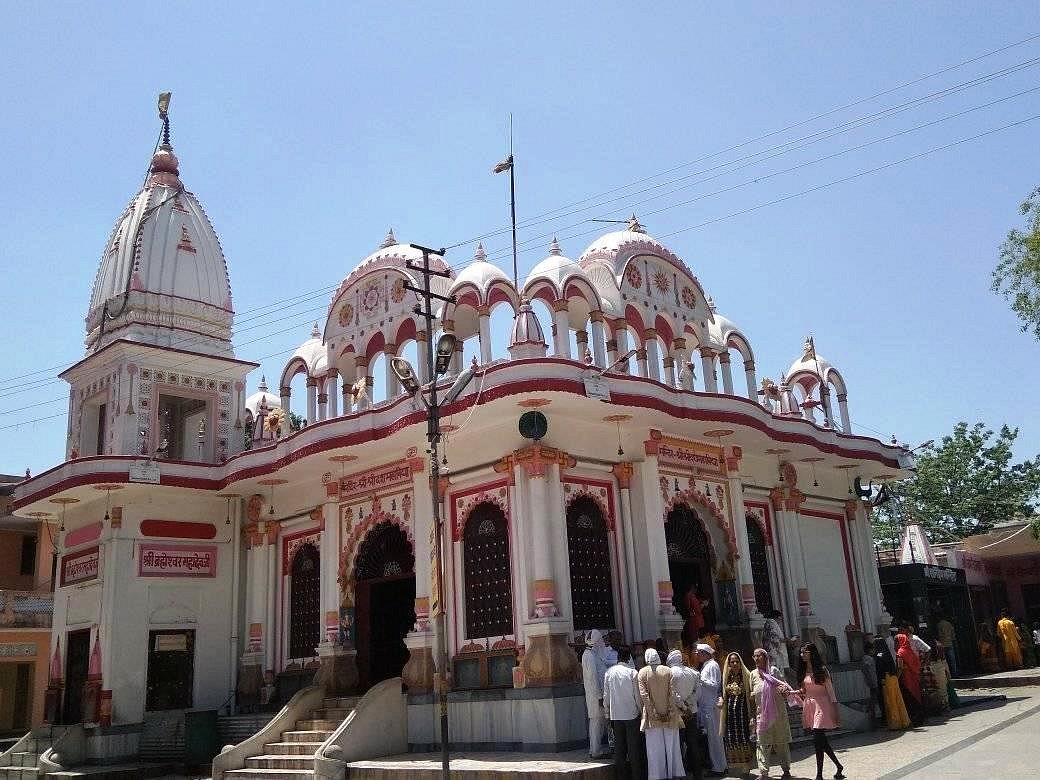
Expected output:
(758, 552)
(588, 548)
(304, 603)
(171, 670)
(485, 556)
(94, 432)
(183, 429)
(28, 562)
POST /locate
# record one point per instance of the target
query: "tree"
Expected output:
(1017, 275)
(964, 486)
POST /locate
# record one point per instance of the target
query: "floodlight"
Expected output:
(403, 370)
(445, 352)
(623, 359)
(460, 384)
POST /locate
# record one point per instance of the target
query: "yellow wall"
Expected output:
(40, 661)
(10, 562)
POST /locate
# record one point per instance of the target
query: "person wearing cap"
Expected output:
(623, 707)
(661, 719)
(708, 707)
(593, 669)
(686, 681)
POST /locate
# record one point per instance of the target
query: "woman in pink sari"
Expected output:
(909, 663)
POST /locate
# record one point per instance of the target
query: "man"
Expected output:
(773, 641)
(948, 638)
(772, 726)
(623, 708)
(686, 682)
(592, 672)
(708, 708)
(661, 719)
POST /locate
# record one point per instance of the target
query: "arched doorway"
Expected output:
(385, 602)
(758, 552)
(305, 603)
(486, 571)
(588, 550)
(689, 564)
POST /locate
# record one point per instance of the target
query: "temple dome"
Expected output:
(253, 401)
(313, 353)
(556, 269)
(819, 366)
(480, 274)
(526, 340)
(618, 247)
(163, 279)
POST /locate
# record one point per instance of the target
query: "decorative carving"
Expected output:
(549, 660)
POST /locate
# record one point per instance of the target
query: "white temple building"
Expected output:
(213, 556)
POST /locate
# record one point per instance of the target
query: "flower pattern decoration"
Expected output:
(689, 299)
(370, 299)
(662, 282)
(346, 314)
(397, 292)
(634, 276)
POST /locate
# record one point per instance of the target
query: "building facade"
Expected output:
(212, 557)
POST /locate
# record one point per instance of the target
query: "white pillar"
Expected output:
(456, 359)
(843, 410)
(581, 340)
(561, 330)
(711, 384)
(745, 577)
(623, 472)
(789, 578)
(543, 586)
(653, 354)
(484, 325)
(364, 400)
(752, 381)
(641, 363)
(621, 337)
(652, 510)
(393, 384)
(329, 561)
(312, 400)
(669, 371)
(420, 357)
(323, 404)
(825, 397)
(286, 397)
(599, 340)
(332, 391)
(871, 581)
(727, 373)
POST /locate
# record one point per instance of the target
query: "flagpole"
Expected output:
(512, 197)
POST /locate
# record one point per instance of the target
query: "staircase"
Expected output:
(22, 760)
(292, 757)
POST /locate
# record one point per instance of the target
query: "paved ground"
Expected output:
(979, 742)
(1013, 679)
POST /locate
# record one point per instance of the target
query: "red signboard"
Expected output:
(176, 560)
(80, 567)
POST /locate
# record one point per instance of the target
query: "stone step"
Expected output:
(24, 759)
(317, 724)
(271, 774)
(280, 762)
(332, 713)
(18, 773)
(306, 735)
(292, 748)
(347, 702)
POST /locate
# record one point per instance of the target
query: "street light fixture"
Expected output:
(445, 352)
(403, 370)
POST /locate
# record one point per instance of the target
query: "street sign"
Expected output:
(144, 471)
(597, 387)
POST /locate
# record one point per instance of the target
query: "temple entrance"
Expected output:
(305, 603)
(384, 603)
(689, 567)
(588, 550)
(77, 658)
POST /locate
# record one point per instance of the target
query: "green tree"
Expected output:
(964, 485)
(1017, 275)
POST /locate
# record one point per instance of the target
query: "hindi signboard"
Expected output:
(161, 559)
(381, 478)
(597, 387)
(689, 456)
(80, 567)
(146, 471)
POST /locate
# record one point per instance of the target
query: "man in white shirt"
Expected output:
(919, 644)
(686, 682)
(708, 707)
(592, 670)
(623, 708)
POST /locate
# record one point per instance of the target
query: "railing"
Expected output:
(25, 609)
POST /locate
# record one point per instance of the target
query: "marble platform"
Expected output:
(574, 765)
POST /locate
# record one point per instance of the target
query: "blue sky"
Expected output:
(306, 134)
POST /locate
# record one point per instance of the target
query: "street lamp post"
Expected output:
(437, 362)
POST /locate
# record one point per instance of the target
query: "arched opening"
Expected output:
(689, 567)
(758, 551)
(502, 316)
(485, 560)
(588, 550)
(384, 602)
(305, 602)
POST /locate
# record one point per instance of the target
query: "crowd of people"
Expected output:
(689, 716)
(1008, 645)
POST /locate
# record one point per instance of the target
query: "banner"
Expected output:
(176, 560)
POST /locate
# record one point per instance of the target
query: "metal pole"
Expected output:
(512, 195)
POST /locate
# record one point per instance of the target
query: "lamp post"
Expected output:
(437, 362)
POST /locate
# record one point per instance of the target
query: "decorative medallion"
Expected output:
(662, 282)
(346, 314)
(397, 292)
(634, 277)
(370, 299)
(689, 298)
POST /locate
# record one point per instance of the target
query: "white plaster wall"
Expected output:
(643, 578)
(827, 577)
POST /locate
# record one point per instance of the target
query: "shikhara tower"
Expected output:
(214, 555)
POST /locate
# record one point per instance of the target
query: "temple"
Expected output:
(219, 551)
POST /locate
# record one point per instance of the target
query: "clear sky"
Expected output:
(305, 134)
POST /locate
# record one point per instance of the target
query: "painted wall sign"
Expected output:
(176, 560)
(167, 643)
(178, 529)
(17, 649)
(380, 478)
(687, 456)
(80, 567)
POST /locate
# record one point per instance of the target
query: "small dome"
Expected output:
(811, 362)
(313, 353)
(556, 269)
(526, 339)
(253, 401)
(620, 246)
(392, 254)
(720, 328)
(479, 273)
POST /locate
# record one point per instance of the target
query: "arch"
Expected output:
(374, 346)
(737, 341)
(635, 322)
(386, 551)
(544, 290)
(588, 552)
(294, 367)
(758, 552)
(502, 314)
(348, 557)
(691, 558)
(502, 292)
(305, 602)
(486, 572)
(405, 331)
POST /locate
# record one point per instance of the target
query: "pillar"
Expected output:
(332, 392)
(259, 588)
(543, 586)
(338, 673)
(418, 673)
(641, 363)
(456, 359)
(364, 400)
(484, 326)
(623, 474)
(323, 405)
(621, 337)
(653, 354)
(843, 410)
(561, 329)
(669, 371)
(612, 353)
(727, 373)
(581, 339)
(669, 623)
(285, 394)
(788, 580)
(793, 553)
(393, 384)
(711, 383)
(745, 577)
(861, 536)
(421, 370)
(825, 398)
(752, 381)
(599, 340)
(312, 399)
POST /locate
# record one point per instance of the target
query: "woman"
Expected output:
(737, 722)
(820, 710)
(1009, 640)
(772, 726)
(661, 719)
(888, 682)
(773, 641)
(909, 665)
(987, 649)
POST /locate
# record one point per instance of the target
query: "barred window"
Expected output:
(759, 566)
(304, 603)
(588, 548)
(485, 560)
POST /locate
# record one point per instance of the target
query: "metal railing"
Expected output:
(26, 609)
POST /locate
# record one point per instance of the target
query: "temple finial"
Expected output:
(554, 247)
(390, 239)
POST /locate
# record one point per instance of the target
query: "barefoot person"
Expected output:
(624, 709)
(708, 710)
(737, 722)
(661, 719)
(820, 711)
(772, 727)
